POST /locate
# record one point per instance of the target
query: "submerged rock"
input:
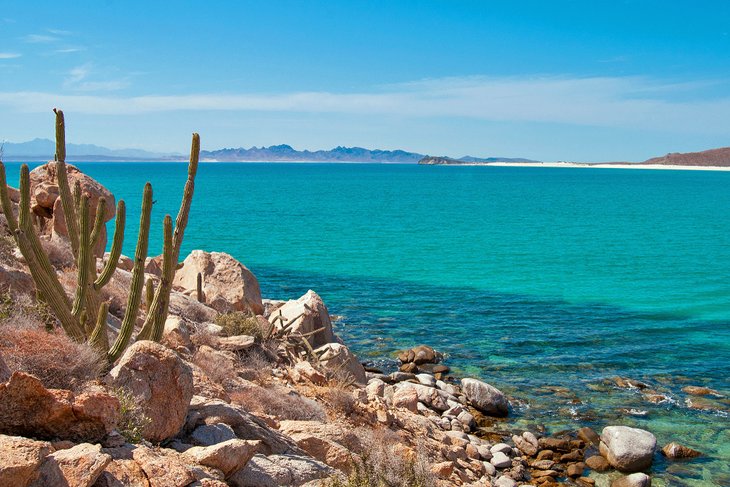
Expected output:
(633, 480)
(675, 450)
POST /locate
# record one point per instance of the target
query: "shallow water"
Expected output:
(526, 277)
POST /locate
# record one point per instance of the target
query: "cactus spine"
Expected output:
(85, 318)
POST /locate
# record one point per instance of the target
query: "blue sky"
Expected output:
(561, 80)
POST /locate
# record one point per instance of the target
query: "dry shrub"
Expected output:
(341, 401)
(383, 462)
(59, 253)
(58, 361)
(221, 367)
(7, 249)
(255, 366)
(278, 401)
(240, 323)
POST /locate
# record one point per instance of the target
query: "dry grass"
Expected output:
(383, 462)
(58, 253)
(58, 361)
(280, 402)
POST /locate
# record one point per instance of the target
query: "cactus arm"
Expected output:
(84, 258)
(99, 339)
(157, 311)
(199, 288)
(135, 292)
(149, 292)
(45, 285)
(69, 209)
(98, 221)
(60, 136)
(5, 200)
(116, 250)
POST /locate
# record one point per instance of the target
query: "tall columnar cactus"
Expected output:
(84, 318)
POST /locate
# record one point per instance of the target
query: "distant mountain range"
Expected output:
(443, 160)
(43, 149)
(713, 157)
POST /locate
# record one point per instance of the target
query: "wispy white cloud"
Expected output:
(78, 80)
(9, 55)
(68, 50)
(626, 102)
(39, 38)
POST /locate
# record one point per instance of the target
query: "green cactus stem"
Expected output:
(84, 258)
(116, 250)
(155, 322)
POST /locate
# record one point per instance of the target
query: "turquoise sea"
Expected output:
(545, 282)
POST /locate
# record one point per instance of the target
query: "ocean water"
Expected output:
(544, 282)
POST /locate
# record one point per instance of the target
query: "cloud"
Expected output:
(77, 80)
(9, 55)
(39, 38)
(625, 102)
(69, 50)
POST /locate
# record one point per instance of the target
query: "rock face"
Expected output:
(227, 284)
(307, 314)
(78, 466)
(161, 384)
(484, 397)
(27, 408)
(627, 449)
(20, 459)
(46, 201)
(338, 356)
(228, 457)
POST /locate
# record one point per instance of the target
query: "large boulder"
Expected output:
(78, 466)
(46, 201)
(627, 449)
(227, 284)
(228, 457)
(305, 315)
(336, 356)
(163, 467)
(20, 458)
(276, 470)
(484, 397)
(27, 408)
(160, 383)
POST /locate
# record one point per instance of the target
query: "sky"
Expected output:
(576, 80)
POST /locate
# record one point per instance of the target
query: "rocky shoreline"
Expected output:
(246, 391)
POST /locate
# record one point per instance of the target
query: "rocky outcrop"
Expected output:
(27, 408)
(227, 284)
(305, 315)
(20, 459)
(160, 383)
(627, 449)
(338, 357)
(484, 397)
(47, 203)
(78, 466)
(229, 456)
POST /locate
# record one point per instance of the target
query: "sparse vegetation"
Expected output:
(240, 323)
(281, 402)
(132, 420)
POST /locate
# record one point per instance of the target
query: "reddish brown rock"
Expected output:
(700, 391)
(79, 466)
(29, 409)
(163, 467)
(228, 285)
(589, 436)
(306, 315)
(161, 384)
(228, 457)
(576, 469)
(20, 459)
(4, 370)
(675, 450)
(597, 463)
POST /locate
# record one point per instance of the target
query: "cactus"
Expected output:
(84, 318)
(199, 288)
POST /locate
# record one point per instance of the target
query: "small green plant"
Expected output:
(132, 421)
(240, 323)
(7, 305)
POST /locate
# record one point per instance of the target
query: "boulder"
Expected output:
(245, 425)
(160, 383)
(633, 480)
(78, 466)
(44, 188)
(306, 315)
(500, 460)
(675, 450)
(627, 449)
(20, 458)
(227, 284)
(527, 443)
(435, 399)
(597, 463)
(228, 457)
(406, 397)
(176, 333)
(305, 371)
(163, 467)
(336, 356)
(212, 434)
(276, 470)
(27, 408)
(422, 354)
(122, 473)
(484, 397)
